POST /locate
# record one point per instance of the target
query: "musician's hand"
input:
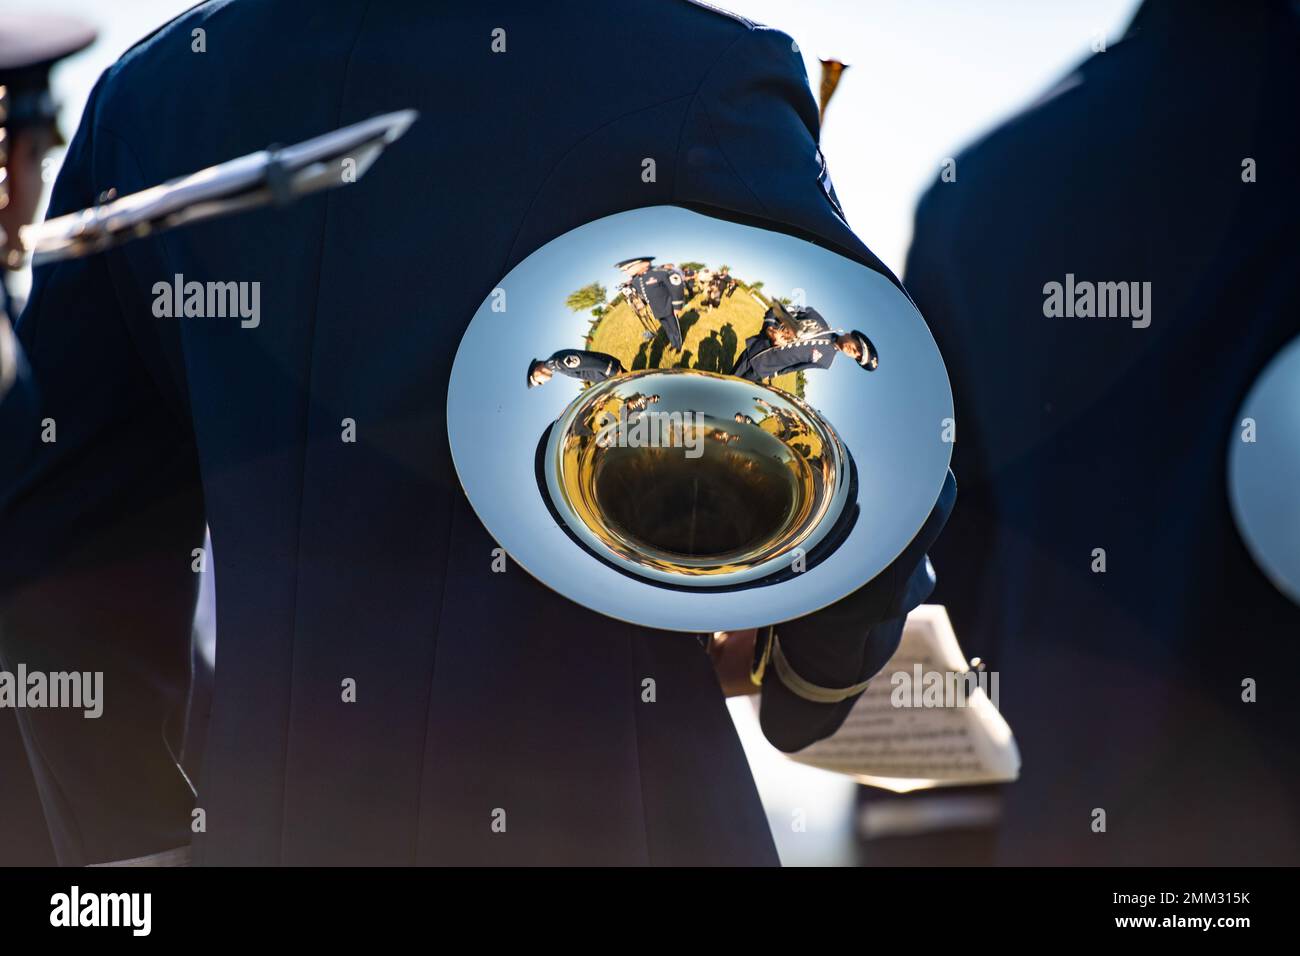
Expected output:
(732, 653)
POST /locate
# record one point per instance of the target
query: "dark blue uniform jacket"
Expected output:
(1124, 688)
(476, 692)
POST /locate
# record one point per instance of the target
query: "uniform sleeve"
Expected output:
(749, 151)
(850, 641)
(99, 509)
(745, 363)
(749, 147)
(676, 291)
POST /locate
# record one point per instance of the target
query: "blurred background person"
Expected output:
(1102, 572)
(31, 44)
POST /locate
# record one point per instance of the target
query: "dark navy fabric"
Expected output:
(1124, 688)
(23, 840)
(480, 697)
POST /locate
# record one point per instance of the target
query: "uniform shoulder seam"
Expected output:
(713, 8)
(161, 27)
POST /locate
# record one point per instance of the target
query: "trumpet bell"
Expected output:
(736, 431)
(695, 478)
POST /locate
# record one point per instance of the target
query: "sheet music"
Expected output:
(903, 748)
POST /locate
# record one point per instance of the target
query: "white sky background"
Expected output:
(925, 78)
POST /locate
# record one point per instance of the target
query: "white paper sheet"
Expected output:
(902, 748)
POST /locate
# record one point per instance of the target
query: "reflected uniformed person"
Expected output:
(662, 289)
(798, 339)
(688, 283)
(575, 363)
(728, 282)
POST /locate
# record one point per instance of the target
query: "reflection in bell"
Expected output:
(723, 504)
(767, 481)
(695, 498)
